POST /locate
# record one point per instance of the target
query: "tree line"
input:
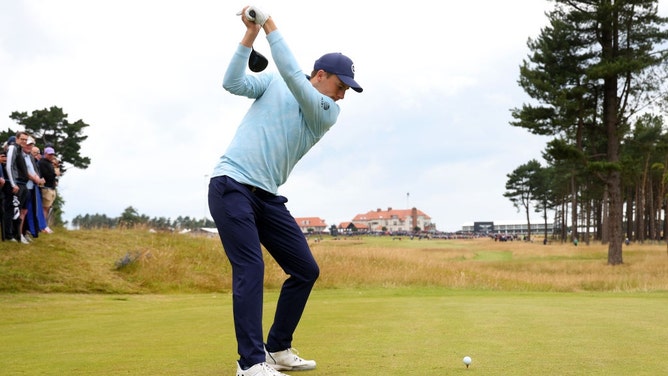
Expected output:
(596, 76)
(131, 218)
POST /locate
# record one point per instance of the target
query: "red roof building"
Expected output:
(394, 220)
(311, 224)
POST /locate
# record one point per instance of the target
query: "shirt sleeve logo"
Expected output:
(324, 104)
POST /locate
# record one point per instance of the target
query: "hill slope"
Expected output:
(91, 262)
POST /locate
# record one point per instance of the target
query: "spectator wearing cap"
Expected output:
(34, 220)
(48, 172)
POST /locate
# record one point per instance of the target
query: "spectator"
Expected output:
(18, 178)
(3, 182)
(36, 154)
(47, 170)
(39, 224)
(56, 166)
(34, 220)
(11, 202)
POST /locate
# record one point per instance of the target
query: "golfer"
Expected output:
(290, 113)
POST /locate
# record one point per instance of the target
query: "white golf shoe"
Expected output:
(288, 360)
(260, 369)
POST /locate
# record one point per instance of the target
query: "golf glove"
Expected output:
(254, 14)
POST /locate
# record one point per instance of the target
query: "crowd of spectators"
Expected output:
(28, 181)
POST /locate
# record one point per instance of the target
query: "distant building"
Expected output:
(346, 227)
(311, 225)
(393, 220)
(507, 227)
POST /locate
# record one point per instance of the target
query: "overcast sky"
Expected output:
(431, 129)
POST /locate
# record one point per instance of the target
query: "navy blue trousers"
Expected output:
(247, 220)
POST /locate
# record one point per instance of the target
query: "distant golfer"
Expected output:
(291, 113)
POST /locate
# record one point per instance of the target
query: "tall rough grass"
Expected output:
(487, 265)
(88, 262)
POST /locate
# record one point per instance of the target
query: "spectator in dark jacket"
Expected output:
(11, 203)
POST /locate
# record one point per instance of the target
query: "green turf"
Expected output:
(349, 332)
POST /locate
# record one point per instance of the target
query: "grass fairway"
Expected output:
(399, 331)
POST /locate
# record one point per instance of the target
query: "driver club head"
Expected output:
(257, 62)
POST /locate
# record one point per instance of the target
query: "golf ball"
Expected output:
(467, 361)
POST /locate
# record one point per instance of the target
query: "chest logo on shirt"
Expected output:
(324, 104)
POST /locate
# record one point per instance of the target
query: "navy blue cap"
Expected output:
(340, 65)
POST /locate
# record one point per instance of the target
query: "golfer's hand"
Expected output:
(254, 14)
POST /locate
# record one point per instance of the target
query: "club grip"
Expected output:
(252, 13)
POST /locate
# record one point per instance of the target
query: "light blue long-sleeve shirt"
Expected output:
(288, 117)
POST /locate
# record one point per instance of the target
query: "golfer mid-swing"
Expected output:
(291, 112)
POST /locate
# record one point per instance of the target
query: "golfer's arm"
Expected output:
(249, 37)
(269, 25)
